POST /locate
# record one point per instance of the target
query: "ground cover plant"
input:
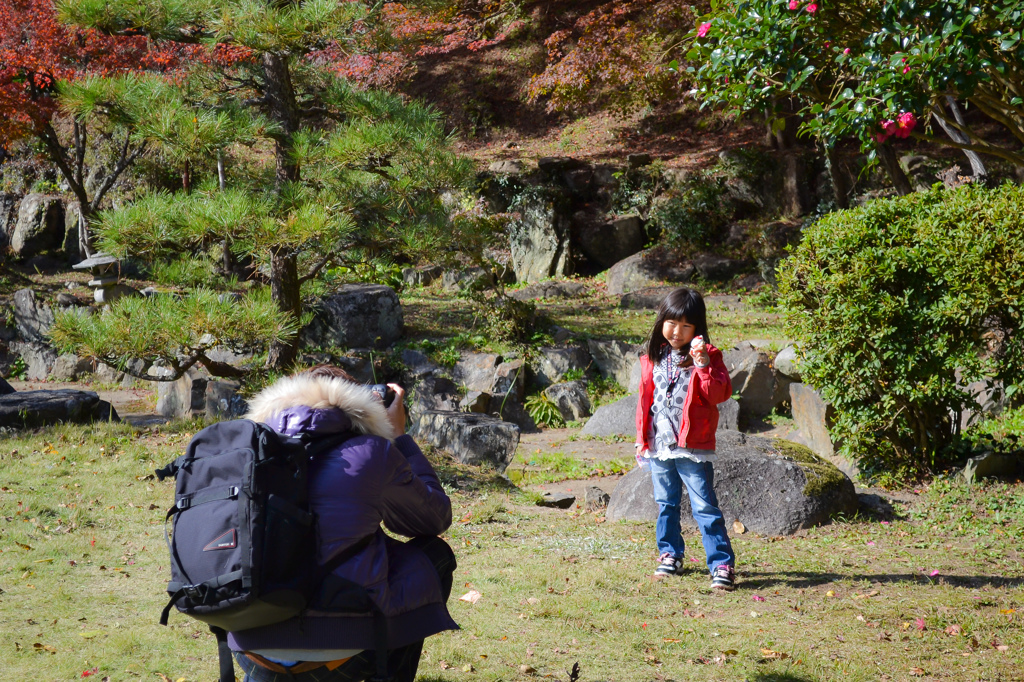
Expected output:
(938, 594)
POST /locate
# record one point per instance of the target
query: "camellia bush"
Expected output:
(898, 306)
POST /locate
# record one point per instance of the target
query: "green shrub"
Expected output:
(691, 213)
(188, 271)
(898, 305)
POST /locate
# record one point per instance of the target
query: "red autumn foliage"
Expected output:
(37, 51)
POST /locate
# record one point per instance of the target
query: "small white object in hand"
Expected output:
(697, 343)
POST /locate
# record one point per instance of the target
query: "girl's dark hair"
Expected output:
(681, 303)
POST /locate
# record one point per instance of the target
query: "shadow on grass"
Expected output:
(780, 677)
(799, 579)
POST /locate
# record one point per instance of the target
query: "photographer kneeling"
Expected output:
(377, 474)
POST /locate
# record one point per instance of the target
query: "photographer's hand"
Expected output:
(396, 410)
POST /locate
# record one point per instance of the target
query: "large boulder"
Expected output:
(646, 269)
(614, 359)
(475, 371)
(357, 316)
(469, 438)
(604, 242)
(421, 276)
(619, 418)
(433, 393)
(539, 240)
(571, 398)
(30, 409)
(70, 367)
(5, 387)
(550, 289)
(718, 268)
(40, 226)
(813, 417)
(222, 400)
(184, 397)
(788, 364)
(32, 317)
(754, 380)
(553, 363)
(773, 487)
(648, 298)
(38, 357)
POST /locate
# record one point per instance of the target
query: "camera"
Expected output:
(384, 392)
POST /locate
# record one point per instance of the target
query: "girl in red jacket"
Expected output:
(682, 380)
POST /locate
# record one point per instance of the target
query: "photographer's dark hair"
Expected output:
(328, 371)
(681, 303)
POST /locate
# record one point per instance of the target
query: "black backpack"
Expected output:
(243, 548)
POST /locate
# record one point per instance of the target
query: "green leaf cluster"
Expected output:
(900, 305)
(176, 331)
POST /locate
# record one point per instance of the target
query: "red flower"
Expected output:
(846, 51)
(703, 30)
(905, 123)
(812, 8)
(793, 4)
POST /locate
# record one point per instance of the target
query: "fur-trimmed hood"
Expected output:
(359, 404)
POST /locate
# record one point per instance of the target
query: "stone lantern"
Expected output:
(105, 285)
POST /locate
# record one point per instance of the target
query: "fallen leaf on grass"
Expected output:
(444, 665)
(954, 630)
(468, 668)
(757, 597)
(671, 640)
(738, 527)
(23, 545)
(527, 669)
(933, 574)
(830, 593)
(472, 597)
(44, 647)
(1007, 612)
(768, 653)
(91, 634)
(164, 678)
(89, 673)
(919, 623)
(916, 672)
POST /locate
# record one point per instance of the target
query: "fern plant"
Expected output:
(543, 411)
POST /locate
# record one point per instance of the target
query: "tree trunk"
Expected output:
(840, 180)
(84, 236)
(284, 275)
(978, 169)
(285, 288)
(892, 166)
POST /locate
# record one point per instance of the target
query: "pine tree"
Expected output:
(334, 174)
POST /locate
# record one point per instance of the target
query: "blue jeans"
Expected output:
(668, 477)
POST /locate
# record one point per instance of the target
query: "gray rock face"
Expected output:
(539, 241)
(634, 377)
(595, 499)
(470, 279)
(787, 364)
(434, 393)
(8, 216)
(417, 366)
(812, 416)
(509, 409)
(470, 438)
(222, 400)
(30, 409)
(649, 298)
(619, 418)
(754, 380)
(507, 167)
(571, 399)
(557, 500)
(550, 289)
(729, 415)
(69, 367)
(614, 359)
(718, 268)
(475, 401)
(553, 363)
(183, 398)
(39, 358)
(40, 226)
(357, 316)
(613, 419)
(606, 243)
(475, 371)
(773, 487)
(421, 276)
(108, 375)
(32, 316)
(510, 378)
(647, 269)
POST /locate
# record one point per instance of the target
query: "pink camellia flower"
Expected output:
(846, 51)
(703, 30)
(812, 8)
(881, 137)
(890, 127)
(906, 69)
(793, 4)
(905, 123)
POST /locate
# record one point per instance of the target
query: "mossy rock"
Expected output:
(772, 486)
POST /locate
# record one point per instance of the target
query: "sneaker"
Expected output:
(670, 565)
(723, 578)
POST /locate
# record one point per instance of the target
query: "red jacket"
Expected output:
(708, 386)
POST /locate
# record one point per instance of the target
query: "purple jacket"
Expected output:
(364, 481)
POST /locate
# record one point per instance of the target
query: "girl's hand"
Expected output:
(396, 410)
(699, 352)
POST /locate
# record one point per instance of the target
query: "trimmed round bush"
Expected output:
(899, 305)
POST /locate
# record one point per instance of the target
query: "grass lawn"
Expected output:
(935, 595)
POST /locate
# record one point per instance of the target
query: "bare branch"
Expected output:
(316, 269)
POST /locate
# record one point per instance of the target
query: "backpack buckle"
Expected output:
(196, 593)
